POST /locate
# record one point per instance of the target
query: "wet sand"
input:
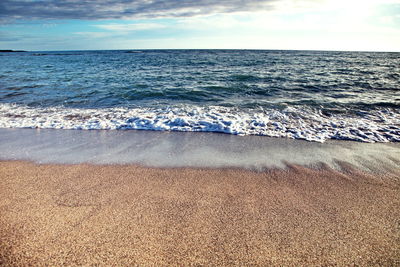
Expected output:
(113, 215)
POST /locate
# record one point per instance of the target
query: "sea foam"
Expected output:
(297, 123)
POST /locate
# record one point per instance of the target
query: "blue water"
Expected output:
(296, 94)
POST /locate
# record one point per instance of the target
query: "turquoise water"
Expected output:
(294, 94)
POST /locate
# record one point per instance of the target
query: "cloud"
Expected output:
(130, 27)
(123, 9)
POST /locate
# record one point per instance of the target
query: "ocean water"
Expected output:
(308, 95)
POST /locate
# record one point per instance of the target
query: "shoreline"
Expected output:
(190, 149)
(85, 214)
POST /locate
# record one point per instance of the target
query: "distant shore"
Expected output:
(11, 51)
(130, 215)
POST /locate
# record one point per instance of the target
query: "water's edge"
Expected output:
(186, 149)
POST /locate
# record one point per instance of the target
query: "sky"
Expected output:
(351, 25)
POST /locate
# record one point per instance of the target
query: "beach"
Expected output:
(199, 157)
(113, 215)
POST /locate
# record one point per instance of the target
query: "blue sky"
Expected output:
(369, 25)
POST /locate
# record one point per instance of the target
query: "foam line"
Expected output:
(296, 123)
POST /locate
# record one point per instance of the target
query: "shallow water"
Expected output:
(185, 149)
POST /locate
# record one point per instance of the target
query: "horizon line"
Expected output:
(200, 49)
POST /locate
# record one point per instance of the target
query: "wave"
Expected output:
(299, 123)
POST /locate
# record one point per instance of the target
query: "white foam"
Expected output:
(375, 126)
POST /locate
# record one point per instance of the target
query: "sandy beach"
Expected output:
(116, 215)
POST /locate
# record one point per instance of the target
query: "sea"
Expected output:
(309, 95)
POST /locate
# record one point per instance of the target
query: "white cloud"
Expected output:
(131, 27)
(285, 24)
(94, 35)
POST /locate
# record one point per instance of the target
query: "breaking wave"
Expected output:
(381, 125)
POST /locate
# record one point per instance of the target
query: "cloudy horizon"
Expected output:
(372, 25)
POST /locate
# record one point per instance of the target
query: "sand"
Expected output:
(126, 215)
